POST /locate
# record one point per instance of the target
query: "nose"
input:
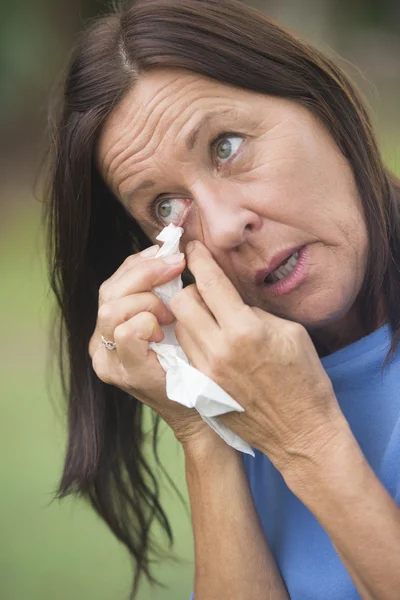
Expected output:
(227, 220)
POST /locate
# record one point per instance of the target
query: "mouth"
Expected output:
(287, 270)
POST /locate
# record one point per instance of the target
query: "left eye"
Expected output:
(171, 210)
(227, 146)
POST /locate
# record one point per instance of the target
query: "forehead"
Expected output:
(164, 101)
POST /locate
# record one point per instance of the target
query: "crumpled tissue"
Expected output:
(185, 384)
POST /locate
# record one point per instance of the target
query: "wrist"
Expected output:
(211, 462)
(322, 461)
(206, 445)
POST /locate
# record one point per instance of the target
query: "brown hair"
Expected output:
(90, 233)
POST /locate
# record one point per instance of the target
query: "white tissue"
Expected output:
(185, 384)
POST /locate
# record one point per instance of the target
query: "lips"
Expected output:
(276, 262)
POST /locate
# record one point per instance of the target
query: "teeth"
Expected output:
(284, 270)
(293, 260)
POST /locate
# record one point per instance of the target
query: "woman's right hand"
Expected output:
(131, 316)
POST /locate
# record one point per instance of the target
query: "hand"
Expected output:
(130, 315)
(267, 364)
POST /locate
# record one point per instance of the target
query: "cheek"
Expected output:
(300, 190)
(297, 164)
(284, 166)
(279, 187)
(149, 231)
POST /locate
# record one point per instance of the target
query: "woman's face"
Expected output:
(247, 174)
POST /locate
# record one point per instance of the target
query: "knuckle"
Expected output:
(250, 316)
(296, 331)
(131, 260)
(241, 337)
(145, 318)
(148, 324)
(123, 333)
(140, 327)
(294, 336)
(104, 313)
(101, 369)
(247, 329)
(104, 293)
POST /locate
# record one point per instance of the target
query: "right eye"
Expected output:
(171, 210)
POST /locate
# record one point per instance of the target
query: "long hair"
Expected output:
(90, 233)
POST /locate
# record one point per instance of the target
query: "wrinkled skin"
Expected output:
(275, 180)
(287, 184)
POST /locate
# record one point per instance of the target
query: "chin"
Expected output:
(315, 316)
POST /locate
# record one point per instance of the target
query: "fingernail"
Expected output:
(174, 259)
(152, 251)
(189, 247)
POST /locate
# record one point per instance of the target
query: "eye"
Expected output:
(226, 146)
(171, 210)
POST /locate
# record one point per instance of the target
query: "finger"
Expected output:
(192, 312)
(133, 337)
(133, 260)
(142, 278)
(191, 348)
(106, 366)
(215, 288)
(116, 312)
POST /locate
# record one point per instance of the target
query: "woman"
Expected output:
(210, 116)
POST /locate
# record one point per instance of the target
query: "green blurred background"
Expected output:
(59, 551)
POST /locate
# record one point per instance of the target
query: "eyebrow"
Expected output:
(192, 138)
(191, 141)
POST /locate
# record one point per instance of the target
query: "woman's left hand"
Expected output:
(267, 364)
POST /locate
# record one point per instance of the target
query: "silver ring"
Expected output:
(108, 345)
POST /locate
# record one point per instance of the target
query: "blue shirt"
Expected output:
(307, 560)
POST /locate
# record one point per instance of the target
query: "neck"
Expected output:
(334, 336)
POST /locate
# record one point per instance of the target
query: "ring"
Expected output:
(108, 345)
